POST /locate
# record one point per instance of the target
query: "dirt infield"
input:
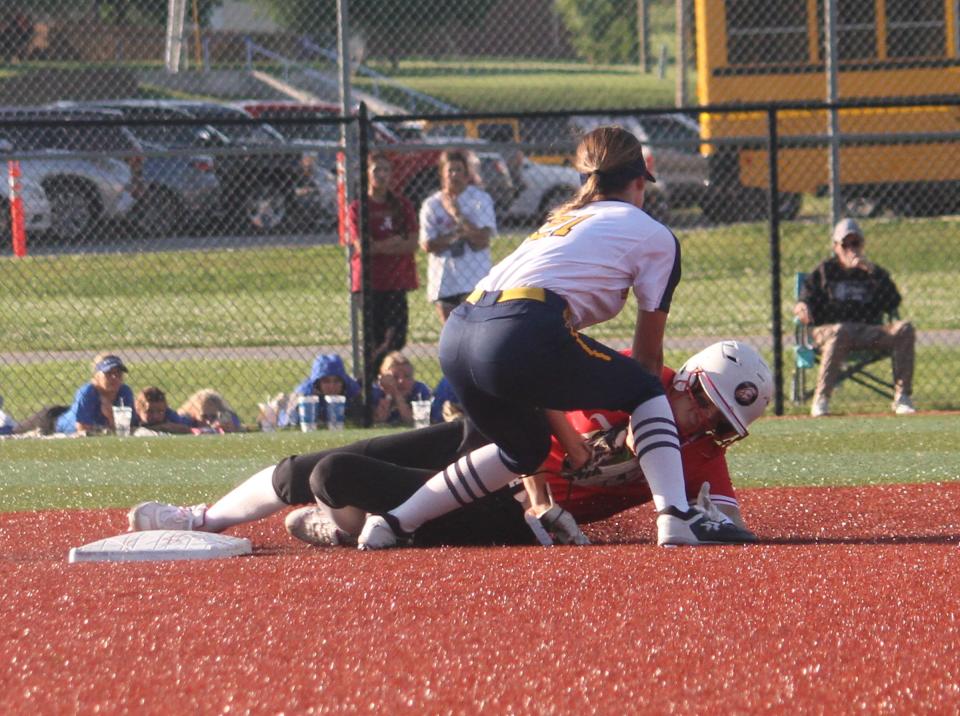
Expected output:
(850, 606)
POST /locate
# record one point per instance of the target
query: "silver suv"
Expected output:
(83, 184)
(36, 206)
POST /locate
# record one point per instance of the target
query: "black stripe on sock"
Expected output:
(647, 421)
(452, 489)
(476, 475)
(654, 446)
(637, 439)
(463, 480)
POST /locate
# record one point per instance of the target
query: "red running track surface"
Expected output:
(850, 606)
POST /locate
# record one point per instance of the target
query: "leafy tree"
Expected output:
(601, 31)
(376, 18)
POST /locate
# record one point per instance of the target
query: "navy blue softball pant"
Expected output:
(508, 359)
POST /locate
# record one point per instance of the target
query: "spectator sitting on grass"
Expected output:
(210, 413)
(395, 390)
(156, 416)
(446, 405)
(92, 409)
(328, 376)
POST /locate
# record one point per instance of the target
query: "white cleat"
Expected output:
(377, 534)
(313, 526)
(161, 516)
(695, 527)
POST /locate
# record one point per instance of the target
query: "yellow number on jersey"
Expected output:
(559, 226)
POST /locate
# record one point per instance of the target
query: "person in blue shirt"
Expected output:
(7, 423)
(92, 407)
(328, 376)
(155, 414)
(445, 405)
(395, 390)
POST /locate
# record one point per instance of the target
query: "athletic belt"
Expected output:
(528, 293)
(524, 293)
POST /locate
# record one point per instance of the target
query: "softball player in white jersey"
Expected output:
(513, 351)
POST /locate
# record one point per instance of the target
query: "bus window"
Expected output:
(497, 132)
(761, 32)
(916, 28)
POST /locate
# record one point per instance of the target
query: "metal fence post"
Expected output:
(369, 369)
(776, 324)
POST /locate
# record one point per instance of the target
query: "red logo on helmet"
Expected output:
(746, 393)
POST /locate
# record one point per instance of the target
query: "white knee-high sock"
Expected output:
(656, 443)
(251, 500)
(469, 478)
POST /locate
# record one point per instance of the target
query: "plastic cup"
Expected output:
(122, 415)
(336, 411)
(421, 413)
(307, 412)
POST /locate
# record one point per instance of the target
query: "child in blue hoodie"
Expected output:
(328, 376)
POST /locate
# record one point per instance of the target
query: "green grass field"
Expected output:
(118, 472)
(270, 298)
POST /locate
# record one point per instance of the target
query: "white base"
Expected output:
(159, 545)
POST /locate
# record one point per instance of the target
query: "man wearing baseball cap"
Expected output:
(845, 299)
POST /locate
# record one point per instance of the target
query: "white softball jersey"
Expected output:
(592, 257)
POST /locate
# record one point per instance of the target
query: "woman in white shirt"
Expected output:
(514, 354)
(456, 225)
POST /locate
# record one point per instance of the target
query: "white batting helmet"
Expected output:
(735, 378)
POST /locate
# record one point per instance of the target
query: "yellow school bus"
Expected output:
(754, 51)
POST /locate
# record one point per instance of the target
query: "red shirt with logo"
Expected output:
(388, 272)
(703, 461)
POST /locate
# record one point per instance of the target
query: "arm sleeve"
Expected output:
(173, 417)
(813, 293)
(88, 406)
(888, 296)
(659, 274)
(429, 223)
(409, 216)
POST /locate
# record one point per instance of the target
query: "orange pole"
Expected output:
(17, 227)
(342, 196)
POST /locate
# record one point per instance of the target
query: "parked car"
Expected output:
(543, 188)
(414, 172)
(671, 148)
(260, 173)
(319, 144)
(177, 191)
(88, 173)
(36, 206)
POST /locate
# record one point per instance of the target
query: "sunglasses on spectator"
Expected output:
(852, 243)
(210, 417)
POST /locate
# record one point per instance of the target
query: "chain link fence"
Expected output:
(178, 200)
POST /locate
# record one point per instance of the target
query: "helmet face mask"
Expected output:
(722, 433)
(735, 379)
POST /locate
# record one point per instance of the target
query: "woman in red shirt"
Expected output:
(392, 229)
